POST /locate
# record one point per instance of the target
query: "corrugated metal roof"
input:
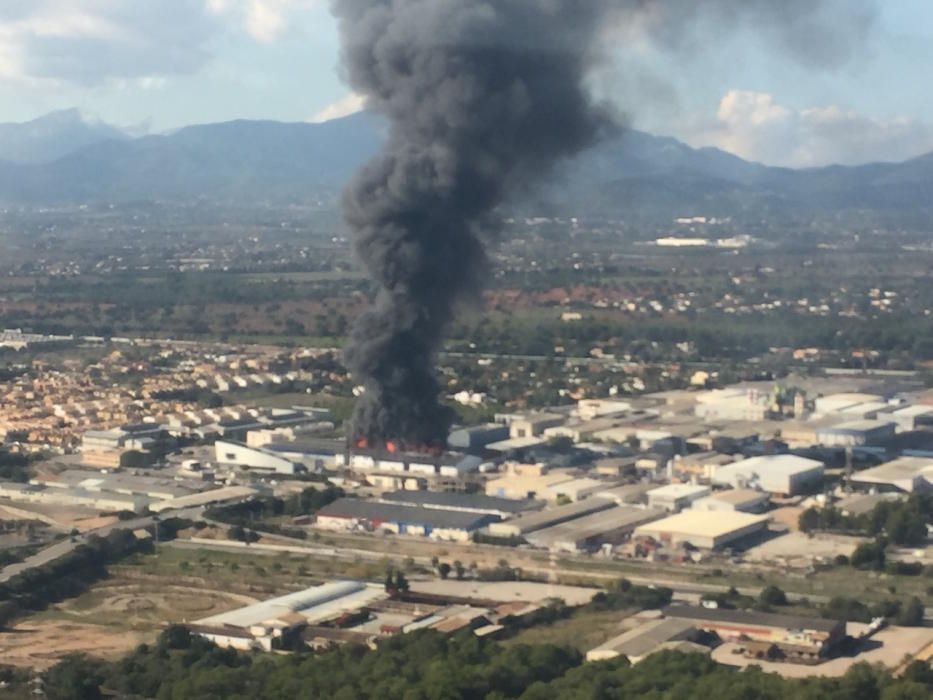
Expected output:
(353, 508)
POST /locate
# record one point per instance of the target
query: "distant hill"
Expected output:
(53, 136)
(266, 161)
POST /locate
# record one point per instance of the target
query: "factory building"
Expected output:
(462, 502)
(629, 494)
(532, 522)
(837, 403)
(534, 424)
(856, 433)
(315, 456)
(477, 436)
(782, 474)
(734, 404)
(393, 461)
(588, 409)
(150, 487)
(807, 638)
(260, 459)
(589, 533)
(740, 500)
(700, 466)
(675, 497)
(704, 530)
(523, 486)
(645, 639)
(351, 514)
(101, 501)
(266, 625)
(912, 417)
(907, 474)
(573, 490)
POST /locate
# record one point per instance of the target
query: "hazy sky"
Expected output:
(160, 64)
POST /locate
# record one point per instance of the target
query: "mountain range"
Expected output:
(65, 158)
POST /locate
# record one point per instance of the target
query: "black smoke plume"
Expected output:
(482, 98)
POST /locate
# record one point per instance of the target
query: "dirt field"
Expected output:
(109, 620)
(41, 643)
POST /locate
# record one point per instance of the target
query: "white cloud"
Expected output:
(263, 20)
(91, 42)
(344, 107)
(755, 126)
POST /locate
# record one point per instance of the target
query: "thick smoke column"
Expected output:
(482, 98)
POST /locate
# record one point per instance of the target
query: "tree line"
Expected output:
(429, 666)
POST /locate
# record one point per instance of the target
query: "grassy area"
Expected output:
(582, 631)
(250, 572)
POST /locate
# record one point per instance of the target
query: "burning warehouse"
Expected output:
(393, 460)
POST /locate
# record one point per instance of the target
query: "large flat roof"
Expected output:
(785, 465)
(594, 525)
(390, 512)
(457, 501)
(313, 604)
(899, 469)
(739, 496)
(678, 491)
(857, 426)
(704, 523)
(646, 638)
(544, 518)
(745, 617)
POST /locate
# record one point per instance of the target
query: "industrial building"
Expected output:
(782, 474)
(149, 485)
(98, 500)
(422, 464)
(856, 433)
(907, 474)
(795, 636)
(523, 486)
(704, 530)
(462, 502)
(629, 494)
(700, 466)
(647, 638)
(477, 436)
(532, 522)
(534, 424)
(590, 532)
(260, 459)
(912, 417)
(733, 404)
(741, 500)
(351, 514)
(315, 456)
(574, 489)
(836, 403)
(675, 497)
(265, 625)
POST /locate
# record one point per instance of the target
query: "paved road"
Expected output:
(59, 549)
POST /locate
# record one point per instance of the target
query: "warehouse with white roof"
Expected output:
(908, 474)
(263, 625)
(783, 474)
(704, 530)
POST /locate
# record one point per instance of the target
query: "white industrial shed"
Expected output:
(704, 530)
(779, 474)
(904, 474)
